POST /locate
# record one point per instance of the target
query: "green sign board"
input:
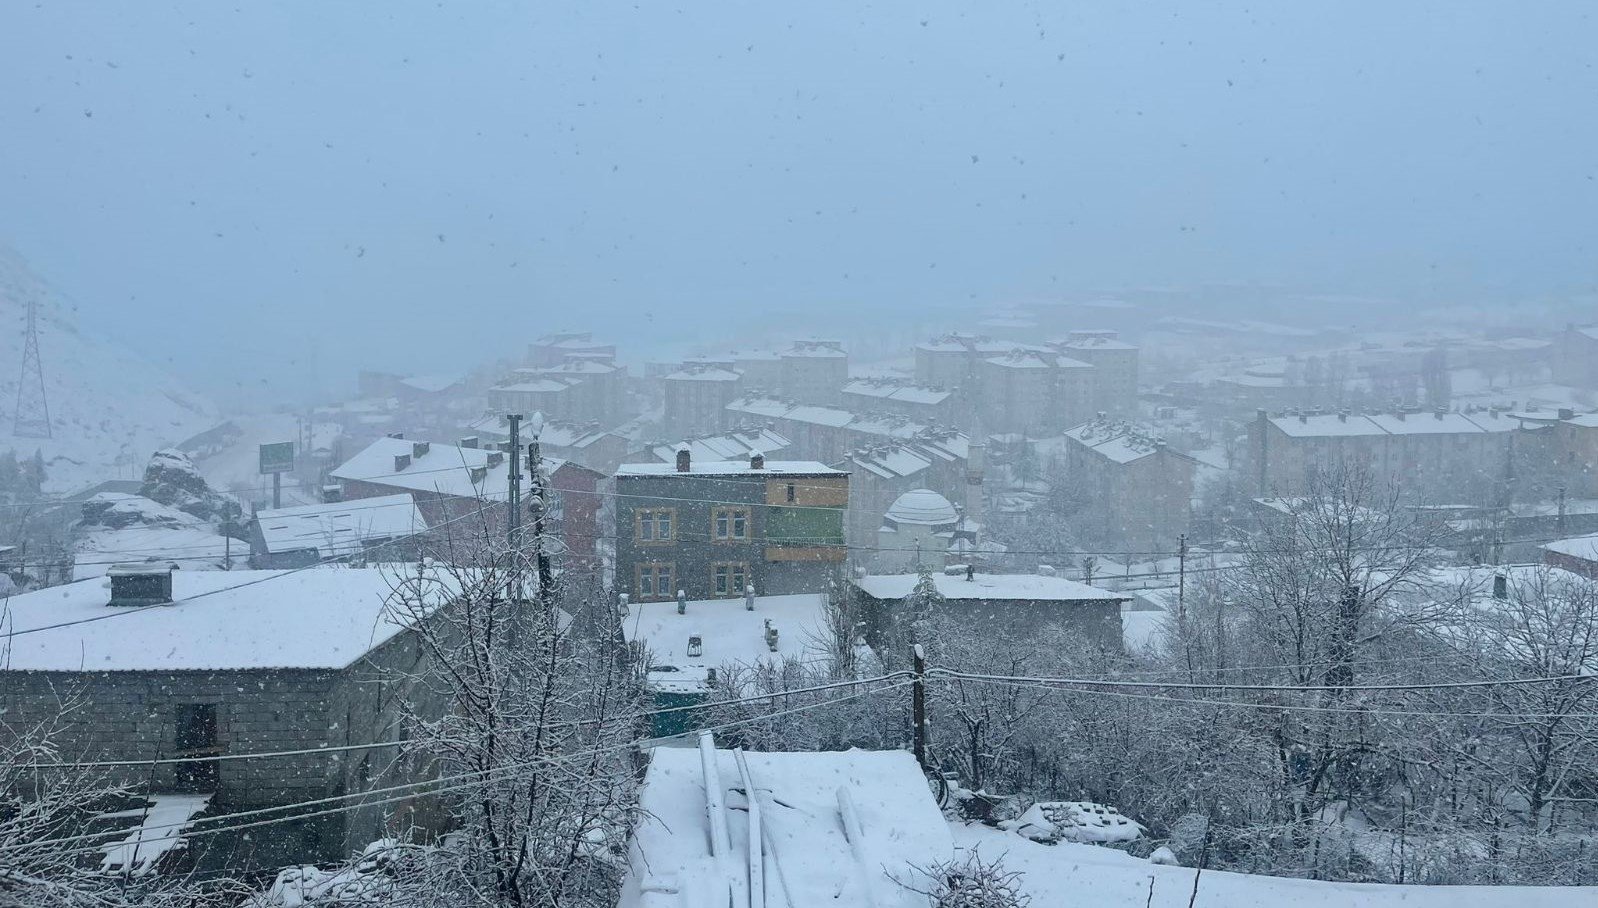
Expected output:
(277, 457)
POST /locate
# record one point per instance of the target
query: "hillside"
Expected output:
(109, 407)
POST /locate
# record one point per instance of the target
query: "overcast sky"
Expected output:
(457, 177)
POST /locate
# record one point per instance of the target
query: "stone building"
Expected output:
(165, 664)
(1004, 605)
(711, 529)
(927, 404)
(918, 529)
(1033, 391)
(563, 347)
(465, 490)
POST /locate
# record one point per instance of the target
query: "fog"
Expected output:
(241, 191)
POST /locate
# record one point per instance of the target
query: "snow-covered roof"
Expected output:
(1323, 425)
(881, 389)
(315, 619)
(922, 507)
(704, 375)
(1120, 441)
(726, 446)
(340, 528)
(445, 469)
(806, 803)
(726, 467)
(580, 367)
(430, 384)
(730, 632)
(1583, 547)
(893, 462)
(537, 385)
(1031, 587)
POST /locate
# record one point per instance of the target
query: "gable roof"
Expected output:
(322, 618)
(340, 528)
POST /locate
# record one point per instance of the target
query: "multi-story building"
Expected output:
(1114, 363)
(712, 529)
(814, 370)
(928, 404)
(1466, 452)
(1576, 356)
(696, 397)
(1139, 490)
(464, 491)
(1035, 391)
(555, 349)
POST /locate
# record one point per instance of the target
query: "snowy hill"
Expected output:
(109, 407)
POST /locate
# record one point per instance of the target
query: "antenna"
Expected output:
(33, 410)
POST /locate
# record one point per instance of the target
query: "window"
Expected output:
(654, 524)
(654, 581)
(728, 578)
(792, 492)
(729, 523)
(195, 736)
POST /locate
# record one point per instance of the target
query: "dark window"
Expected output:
(195, 736)
(792, 492)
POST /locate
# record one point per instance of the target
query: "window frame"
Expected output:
(652, 517)
(654, 569)
(731, 569)
(732, 515)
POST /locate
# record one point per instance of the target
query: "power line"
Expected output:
(1267, 688)
(484, 779)
(1285, 707)
(216, 758)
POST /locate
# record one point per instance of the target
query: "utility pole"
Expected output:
(513, 525)
(918, 705)
(513, 511)
(535, 504)
(1181, 578)
(1560, 524)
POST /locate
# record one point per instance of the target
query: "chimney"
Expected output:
(771, 636)
(684, 460)
(1567, 413)
(332, 494)
(749, 597)
(495, 458)
(470, 441)
(478, 474)
(397, 435)
(1047, 570)
(140, 584)
(970, 573)
(682, 603)
(757, 460)
(401, 461)
(1400, 414)
(1342, 416)
(1500, 586)
(420, 448)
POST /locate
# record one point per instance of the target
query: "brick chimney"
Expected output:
(140, 584)
(420, 448)
(401, 461)
(470, 441)
(757, 460)
(684, 460)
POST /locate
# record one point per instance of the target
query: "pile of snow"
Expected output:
(1074, 821)
(117, 527)
(108, 407)
(1068, 874)
(369, 880)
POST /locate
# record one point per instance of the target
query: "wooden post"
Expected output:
(918, 705)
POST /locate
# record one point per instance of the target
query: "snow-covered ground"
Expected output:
(1066, 874)
(109, 407)
(133, 528)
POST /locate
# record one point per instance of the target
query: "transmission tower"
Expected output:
(33, 410)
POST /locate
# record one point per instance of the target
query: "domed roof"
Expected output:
(924, 507)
